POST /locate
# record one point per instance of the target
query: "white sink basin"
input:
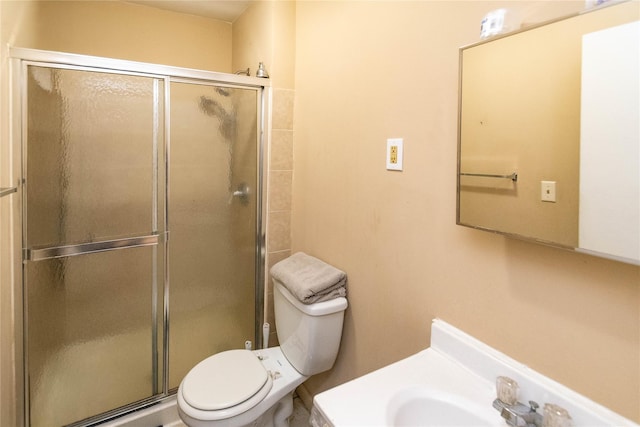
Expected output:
(426, 389)
(421, 406)
(451, 383)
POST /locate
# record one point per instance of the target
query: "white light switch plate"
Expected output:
(548, 191)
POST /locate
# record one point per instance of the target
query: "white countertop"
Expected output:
(363, 401)
(459, 366)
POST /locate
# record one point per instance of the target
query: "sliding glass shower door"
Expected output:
(94, 258)
(212, 217)
(141, 235)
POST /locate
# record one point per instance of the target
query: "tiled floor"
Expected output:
(300, 416)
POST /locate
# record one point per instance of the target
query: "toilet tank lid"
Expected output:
(316, 309)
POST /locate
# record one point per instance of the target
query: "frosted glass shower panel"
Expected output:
(94, 140)
(90, 336)
(94, 173)
(213, 181)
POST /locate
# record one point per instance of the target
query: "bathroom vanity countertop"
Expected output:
(458, 373)
(364, 402)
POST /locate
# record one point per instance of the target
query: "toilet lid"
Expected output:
(224, 380)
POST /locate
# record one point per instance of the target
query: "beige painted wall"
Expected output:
(119, 30)
(368, 71)
(265, 32)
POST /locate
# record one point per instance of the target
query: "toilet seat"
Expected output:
(226, 384)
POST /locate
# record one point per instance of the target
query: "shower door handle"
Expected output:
(7, 191)
(40, 254)
(242, 193)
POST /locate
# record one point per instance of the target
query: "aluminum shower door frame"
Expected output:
(19, 57)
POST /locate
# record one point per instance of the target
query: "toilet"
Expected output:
(237, 388)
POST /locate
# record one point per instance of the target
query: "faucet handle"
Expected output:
(507, 390)
(534, 405)
(556, 416)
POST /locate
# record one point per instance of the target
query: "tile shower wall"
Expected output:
(279, 197)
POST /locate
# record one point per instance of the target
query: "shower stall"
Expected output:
(142, 230)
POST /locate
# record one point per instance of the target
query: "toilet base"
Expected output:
(276, 416)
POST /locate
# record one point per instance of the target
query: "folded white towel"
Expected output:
(310, 279)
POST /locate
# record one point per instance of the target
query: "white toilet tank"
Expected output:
(309, 334)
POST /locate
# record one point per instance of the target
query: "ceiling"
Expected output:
(223, 10)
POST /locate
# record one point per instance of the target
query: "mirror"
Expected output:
(549, 133)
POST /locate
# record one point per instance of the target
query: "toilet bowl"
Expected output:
(237, 388)
(200, 404)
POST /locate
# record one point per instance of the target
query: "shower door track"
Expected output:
(20, 56)
(96, 62)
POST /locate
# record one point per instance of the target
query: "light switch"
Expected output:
(394, 154)
(548, 191)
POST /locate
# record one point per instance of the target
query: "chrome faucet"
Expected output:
(518, 414)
